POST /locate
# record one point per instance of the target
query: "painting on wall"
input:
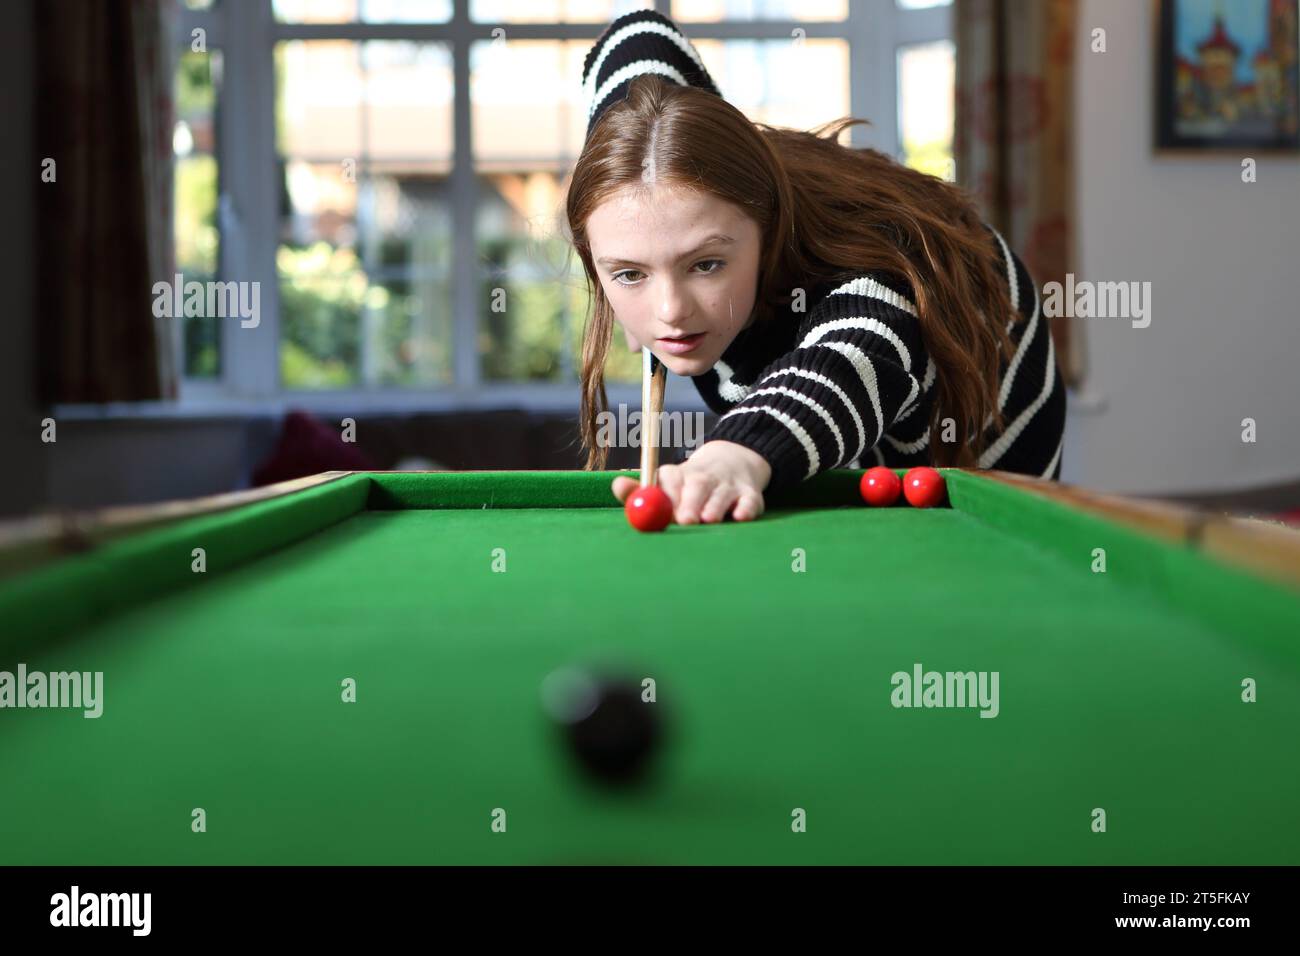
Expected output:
(1228, 75)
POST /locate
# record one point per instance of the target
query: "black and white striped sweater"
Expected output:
(851, 384)
(848, 384)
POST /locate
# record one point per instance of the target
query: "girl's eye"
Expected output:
(618, 277)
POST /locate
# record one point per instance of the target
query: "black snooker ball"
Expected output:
(610, 731)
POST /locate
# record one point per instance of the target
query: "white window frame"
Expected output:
(248, 205)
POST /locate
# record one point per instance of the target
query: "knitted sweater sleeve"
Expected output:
(856, 367)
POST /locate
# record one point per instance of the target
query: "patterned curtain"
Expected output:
(104, 101)
(1015, 136)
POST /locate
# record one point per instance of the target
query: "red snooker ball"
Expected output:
(648, 509)
(880, 486)
(923, 488)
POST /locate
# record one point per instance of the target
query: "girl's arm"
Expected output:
(857, 367)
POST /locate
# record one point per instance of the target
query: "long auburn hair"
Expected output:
(827, 212)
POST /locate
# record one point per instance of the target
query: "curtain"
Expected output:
(104, 233)
(1014, 136)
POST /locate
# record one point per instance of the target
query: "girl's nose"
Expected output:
(674, 303)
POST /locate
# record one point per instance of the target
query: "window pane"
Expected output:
(533, 291)
(699, 11)
(922, 4)
(526, 138)
(552, 11)
(364, 132)
(519, 125)
(406, 234)
(197, 238)
(318, 103)
(926, 77)
(322, 204)
(364, 11)
(338, 99)
(799, 83)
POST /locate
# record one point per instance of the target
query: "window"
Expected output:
(196, 189)
(382, 173)
(712, 11)
(363, 147)
(926, 84)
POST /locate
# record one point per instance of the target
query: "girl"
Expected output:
(835, 308)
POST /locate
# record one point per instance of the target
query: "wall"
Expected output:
(1223, 258)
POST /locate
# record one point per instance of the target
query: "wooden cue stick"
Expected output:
(652, 404)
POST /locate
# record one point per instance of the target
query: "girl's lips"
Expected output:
(680, 346)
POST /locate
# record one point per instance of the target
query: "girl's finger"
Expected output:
(623, 487)
(749, 507)
(695, 492)
(670, 480)
(718, 503)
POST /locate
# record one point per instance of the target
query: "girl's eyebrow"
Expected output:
(712, 240)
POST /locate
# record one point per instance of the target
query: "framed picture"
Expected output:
(1227, 74)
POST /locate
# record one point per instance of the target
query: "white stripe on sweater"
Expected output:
(1009, 379)
(635, 69)
(829, 383)
(866, 325)
(866, 372)
(825, 415)
(809, 447)
(1011, 271)
(729, 390)
(861, 363)
(631, 30)
(869, 287)
(1008, 437)
(911, 447)
(1051, 465)
(931, 372)
(911, 395)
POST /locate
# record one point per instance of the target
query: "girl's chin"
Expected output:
(686, 365)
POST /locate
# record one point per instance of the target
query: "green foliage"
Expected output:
(325, 295)
(196, 214)
(321, 292)
(521, 319)
(194, 90)
(932, 157)
(299, 369)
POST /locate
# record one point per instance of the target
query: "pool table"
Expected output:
(348, 669)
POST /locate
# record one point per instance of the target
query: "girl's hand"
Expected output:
(718, 479)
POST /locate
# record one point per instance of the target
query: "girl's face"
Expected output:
(680, 268)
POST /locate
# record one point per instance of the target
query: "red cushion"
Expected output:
(306, 447)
